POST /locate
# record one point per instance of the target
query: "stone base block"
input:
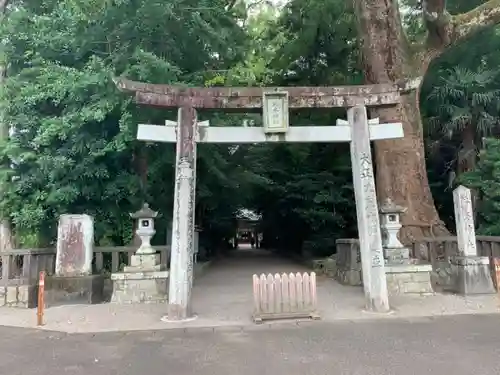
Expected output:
(471, 275)
(141, 262)
(62, 290)
(23, 296)
(409, 279)
(140, 287)
(349, 277)
(397, 255)
(348, 262)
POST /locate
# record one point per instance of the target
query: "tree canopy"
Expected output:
(72, 147)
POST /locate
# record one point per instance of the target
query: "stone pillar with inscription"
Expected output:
(183, 233)
(73, 281)
(470, 272)
(370, 239)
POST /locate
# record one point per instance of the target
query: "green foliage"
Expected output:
(486, 180)
(73, 150)
(73, 142)
(463, 98)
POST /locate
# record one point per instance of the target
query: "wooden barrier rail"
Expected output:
(434, 249)
(284, 296)
(21, 266)
(24, 265)
(439, 250)
(122, 255)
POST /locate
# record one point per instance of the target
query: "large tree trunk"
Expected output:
(5, 228)
(387, 58)
(401, 172)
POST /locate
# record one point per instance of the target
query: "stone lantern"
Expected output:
(390, 215)
(145, 228)
(144, 280)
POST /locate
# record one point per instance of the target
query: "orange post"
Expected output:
(41, 302)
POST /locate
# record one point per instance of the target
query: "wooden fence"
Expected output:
(436, 249)
(285, 296)
(22, 266)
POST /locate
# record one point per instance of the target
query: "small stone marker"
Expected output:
(464, 218)
(75, 240)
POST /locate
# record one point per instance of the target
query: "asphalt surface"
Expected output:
(456, 345)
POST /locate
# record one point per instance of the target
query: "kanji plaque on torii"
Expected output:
(275, 103)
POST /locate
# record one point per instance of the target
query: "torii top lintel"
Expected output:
(248, 98)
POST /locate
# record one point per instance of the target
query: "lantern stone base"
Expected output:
(140, 287)
(471, 275)
(397, 255)
(142, 263)
(413, 278)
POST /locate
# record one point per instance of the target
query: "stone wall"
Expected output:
(441, 275)
(327, 266)
(24, 296)
(409, 279)
(401, 278)
(348, 262)
(440, 250)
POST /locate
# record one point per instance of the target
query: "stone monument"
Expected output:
(404, 275)
(144, 281)
(73, 280)
(470, 272)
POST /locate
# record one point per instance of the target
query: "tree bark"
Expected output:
(5, 227)
(388, 57)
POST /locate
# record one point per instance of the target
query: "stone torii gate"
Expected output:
(275, 102)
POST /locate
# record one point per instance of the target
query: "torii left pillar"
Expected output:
(182, 250)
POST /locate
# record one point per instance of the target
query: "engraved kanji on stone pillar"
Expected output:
(464, 218)
(370, 239)
(182, 250)
(75, 241)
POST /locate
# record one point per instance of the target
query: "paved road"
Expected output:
(460, 345)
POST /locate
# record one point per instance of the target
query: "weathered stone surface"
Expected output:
(327, 266)
(348, 265)
(3, 292)
(141, 287)
(441, 276)
(464, 219)
(141, 262)
(251, 97)
(75, 240)
(11, 295)
(19, 295)
(61, 290)
(182, 252)
(370, 238)
(471, 275)
(409, 279)
(397, 255)
(27, 296)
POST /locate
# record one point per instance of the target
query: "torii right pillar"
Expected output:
(370, 238)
